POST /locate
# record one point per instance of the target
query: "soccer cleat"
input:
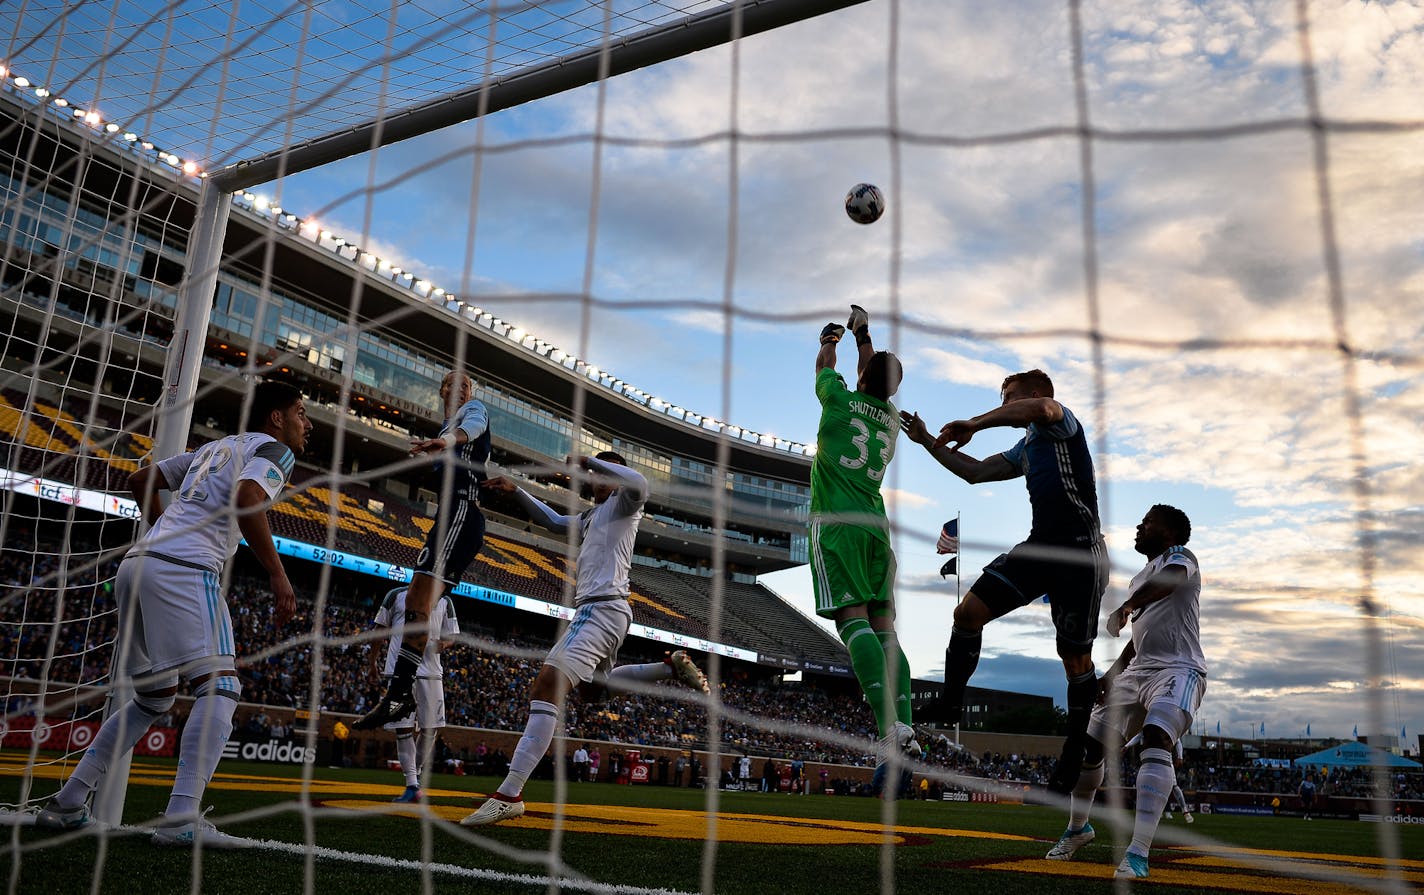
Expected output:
(198, 833)
(1169, 815)
(1187, 816)
(411, 794)
(495, 809)
(687, 671)
(858, 318)
(1070, 842)
(53, 817)
(392, 707)
(1132, 867)
(901, 737)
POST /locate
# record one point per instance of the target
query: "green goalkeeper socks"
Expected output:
(897, 665)
(867, 659)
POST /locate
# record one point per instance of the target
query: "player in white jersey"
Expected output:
(429, 689)
(1155, 686)
(589, 645)
(174, 621)
(461, 450)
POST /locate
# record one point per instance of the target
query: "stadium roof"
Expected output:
(222, 83)
(1355, 755)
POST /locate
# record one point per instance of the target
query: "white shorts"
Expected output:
(1168, 697)
(174, 618)
(591, 642)
(429, 711)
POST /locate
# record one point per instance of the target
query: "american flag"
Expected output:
(948, 538)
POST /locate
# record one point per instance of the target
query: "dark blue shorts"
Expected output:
(1072, 577)
(448, 557)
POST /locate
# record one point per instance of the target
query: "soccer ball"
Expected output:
(340, 730)
(865, 203)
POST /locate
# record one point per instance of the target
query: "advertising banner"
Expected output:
(63, 735)
(268, 750)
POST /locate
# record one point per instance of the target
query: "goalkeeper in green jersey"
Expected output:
(852, 565)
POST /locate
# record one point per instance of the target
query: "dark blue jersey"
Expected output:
(473, 419)
(1058, 471)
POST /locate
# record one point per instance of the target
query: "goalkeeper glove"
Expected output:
(859, 324)
(858, 318)
(832, 333)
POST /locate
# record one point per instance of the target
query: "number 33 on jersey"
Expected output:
(854, 445)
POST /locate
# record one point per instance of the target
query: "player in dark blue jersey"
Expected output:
(1064, 556)
(461, 450)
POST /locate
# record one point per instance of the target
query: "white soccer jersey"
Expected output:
(606, 548)
(607, 531)
(443, 625)
(1167, 634)
(199, 527)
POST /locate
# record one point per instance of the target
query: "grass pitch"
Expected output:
(656, 839)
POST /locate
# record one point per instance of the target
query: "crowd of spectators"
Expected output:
(1329, 781)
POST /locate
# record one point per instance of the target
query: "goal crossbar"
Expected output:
(659, 44)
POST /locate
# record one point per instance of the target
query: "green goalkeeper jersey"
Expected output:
(854, 445)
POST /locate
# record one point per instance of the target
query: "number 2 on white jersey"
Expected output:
(204, 466)
(862, 446)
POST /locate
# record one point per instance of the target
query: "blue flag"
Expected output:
(1357, 731)
(1307, 730)
(1218, 728)
(1263, 728)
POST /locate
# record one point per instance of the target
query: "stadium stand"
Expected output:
(381, 525)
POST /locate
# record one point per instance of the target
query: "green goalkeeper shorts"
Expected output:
(850, 565)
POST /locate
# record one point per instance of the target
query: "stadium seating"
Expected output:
(379, 525)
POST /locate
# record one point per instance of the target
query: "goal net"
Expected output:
(1192, 221)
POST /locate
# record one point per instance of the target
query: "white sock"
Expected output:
(201, 748)
(538, 734)
(651, 672)
(1081, 802)
(405, 751)
(1155, 780)
(119, 733)
(1179, 799)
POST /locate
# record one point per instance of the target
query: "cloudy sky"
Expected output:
(1221, 391)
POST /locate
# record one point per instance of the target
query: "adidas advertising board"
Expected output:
(1392, 819)
(271, 750)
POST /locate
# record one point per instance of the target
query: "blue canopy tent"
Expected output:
(1355, 755)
